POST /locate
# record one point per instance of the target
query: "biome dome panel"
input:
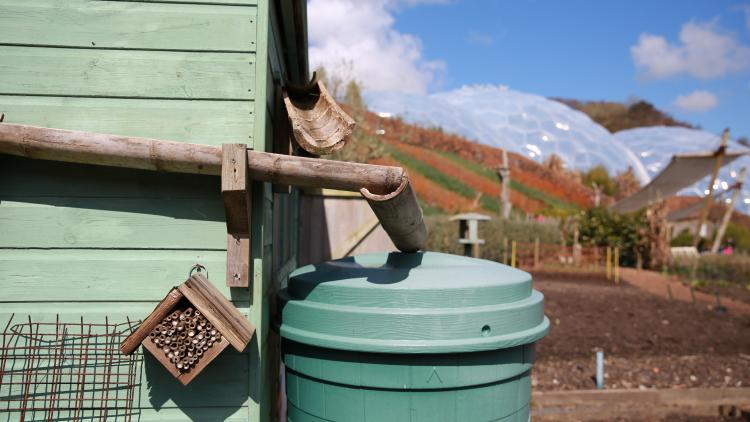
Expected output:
(531, 125)
(656, 145)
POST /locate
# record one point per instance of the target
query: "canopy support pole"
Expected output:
(707, 203)
(728, 212)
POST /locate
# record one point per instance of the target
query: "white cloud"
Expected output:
(696, 102)
(704, 52)
(356, 39)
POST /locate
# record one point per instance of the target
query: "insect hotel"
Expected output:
(150, 159)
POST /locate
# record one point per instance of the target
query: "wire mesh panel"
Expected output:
(61, 371)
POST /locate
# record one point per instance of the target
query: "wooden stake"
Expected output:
(503, 172)
(617, 265)
(513, 254)
(236, 191)
(609, 263)
(536, 253)
(505, 250)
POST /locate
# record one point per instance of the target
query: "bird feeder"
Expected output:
(189, 328)
(468, 232)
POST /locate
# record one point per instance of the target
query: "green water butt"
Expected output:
(409, 337)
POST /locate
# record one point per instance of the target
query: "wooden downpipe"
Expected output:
(386, 188)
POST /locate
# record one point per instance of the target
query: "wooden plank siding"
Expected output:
(91, 241)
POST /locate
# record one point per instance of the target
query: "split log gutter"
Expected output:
(386, 188)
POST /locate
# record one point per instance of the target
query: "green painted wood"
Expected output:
(24, 178)
(158, 388)
(133, 223)
(133, 25)
(262, 377)
(84, 275)
(196, 2)
(178, 120)
(125, 73)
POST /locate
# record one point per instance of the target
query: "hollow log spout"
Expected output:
(319, 125)
(386, 188)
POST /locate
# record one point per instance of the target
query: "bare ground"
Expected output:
(648, 340)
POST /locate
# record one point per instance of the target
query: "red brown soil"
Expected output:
(734, 299)
(431, 193)
(648, 340)
(475, 181)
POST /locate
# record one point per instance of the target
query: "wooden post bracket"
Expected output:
(236, 191)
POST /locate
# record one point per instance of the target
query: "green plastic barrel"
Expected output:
(409, 337)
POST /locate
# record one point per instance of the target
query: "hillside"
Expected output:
(619, 116)
(452, 174)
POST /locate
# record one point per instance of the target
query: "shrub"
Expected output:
(717, 268)
(444, 235)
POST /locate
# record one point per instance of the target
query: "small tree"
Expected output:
(353, 95)
(599, 176)
(626, 184)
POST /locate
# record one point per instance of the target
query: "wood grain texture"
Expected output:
(236, 191)
(179, 120)
(401, 216)
(131, 223)
(185, 377)
(126, 73)
(218, 310)
(132, 25)
(197, 2)
(154, 318)
(109, 150)
(154, 154)
(92, 275)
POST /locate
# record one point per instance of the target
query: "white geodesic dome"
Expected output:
(656, 145)
(527, 124)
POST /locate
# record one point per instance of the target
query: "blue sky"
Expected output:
(690, 58)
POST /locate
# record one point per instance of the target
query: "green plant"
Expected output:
(443, 235)
(602, 227)
(599, 176)
(515, 185)
(715, 269)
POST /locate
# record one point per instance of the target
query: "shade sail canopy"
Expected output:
(683, 170)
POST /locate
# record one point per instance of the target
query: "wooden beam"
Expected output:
(236, 189)
(386, 188)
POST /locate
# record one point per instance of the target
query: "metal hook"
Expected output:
(199, 268)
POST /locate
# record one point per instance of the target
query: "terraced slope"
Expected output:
(452, 174)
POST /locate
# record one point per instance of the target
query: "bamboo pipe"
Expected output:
(386, 188)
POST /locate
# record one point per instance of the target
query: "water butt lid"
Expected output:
(424, 302)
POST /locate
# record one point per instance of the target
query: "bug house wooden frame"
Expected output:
(189, 328)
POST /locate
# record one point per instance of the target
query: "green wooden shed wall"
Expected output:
(95, 241)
